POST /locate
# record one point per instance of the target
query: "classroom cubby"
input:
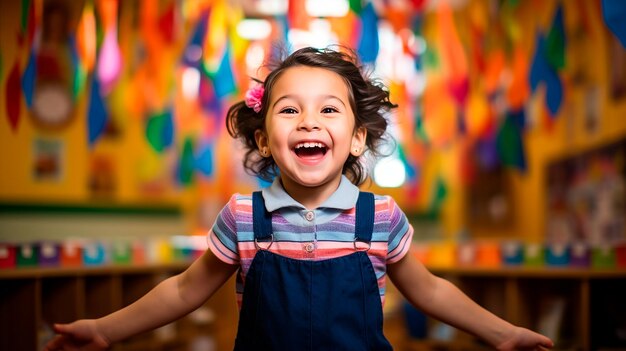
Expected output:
(581, 309)
(31, 299)
(584, 308)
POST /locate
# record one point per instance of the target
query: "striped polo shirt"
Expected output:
(324, 233)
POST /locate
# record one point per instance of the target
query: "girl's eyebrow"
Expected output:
(295, 97)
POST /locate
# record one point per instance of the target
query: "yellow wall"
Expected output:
(568, 137)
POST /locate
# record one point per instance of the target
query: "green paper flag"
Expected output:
(430, 58)
(419, 128)
(25, 10)
(510, 144)
(356, 6)
(513, 3)
(555, 42)
(160, 131)
(187, 162)
(439, 195)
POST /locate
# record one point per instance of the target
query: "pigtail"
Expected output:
(242, 121)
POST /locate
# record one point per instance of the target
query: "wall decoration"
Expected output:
(102, 182)
(48, 160)
(52, 102)
(587, 197)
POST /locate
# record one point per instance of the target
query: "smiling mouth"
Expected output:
(310, 150)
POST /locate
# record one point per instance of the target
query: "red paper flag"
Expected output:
(452, 54)
(166, 24)
(13, 96)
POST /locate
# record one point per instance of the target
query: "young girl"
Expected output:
(312, 252)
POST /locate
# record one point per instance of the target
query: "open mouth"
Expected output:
(310, 150)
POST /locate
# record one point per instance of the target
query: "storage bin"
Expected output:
(557, 255)
(580, 255)
(71, 253)
(49, 254)
(94, 253)
(7, 256)
(603, 257)
(512, 253)
(27, 255)
(534, 255)
(121, 252)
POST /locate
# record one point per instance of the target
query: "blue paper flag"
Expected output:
(223, 79)
(554, 93)
(538, 66)
(369, 45)
(541, 71)
(97, 113)
(614, 12)
(192, 56)
(28, 78)
(519, 118)
(204, 160)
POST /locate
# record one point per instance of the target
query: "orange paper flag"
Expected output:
(519, 90)
(451, 48)
(86, 37)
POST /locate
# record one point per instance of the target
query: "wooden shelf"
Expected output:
(532, 272)
(31, 299)
(592, 302)
(28, 272)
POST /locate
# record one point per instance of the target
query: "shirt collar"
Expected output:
(343, 198)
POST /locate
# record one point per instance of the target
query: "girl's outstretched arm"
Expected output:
(442, 300)
(168, 301)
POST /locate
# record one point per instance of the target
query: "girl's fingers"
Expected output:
(56, 343)
(61, 328)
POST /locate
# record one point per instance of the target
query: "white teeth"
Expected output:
(307, 145)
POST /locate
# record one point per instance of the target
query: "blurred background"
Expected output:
(509, 157)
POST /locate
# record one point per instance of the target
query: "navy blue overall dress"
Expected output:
(332, 304)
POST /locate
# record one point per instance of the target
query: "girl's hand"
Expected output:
(524, 339)
(82, 335)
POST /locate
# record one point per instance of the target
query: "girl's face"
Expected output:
(310, 128)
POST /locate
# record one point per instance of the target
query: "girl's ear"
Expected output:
(262, 143)
(358, 142)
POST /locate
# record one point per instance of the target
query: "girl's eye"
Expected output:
(329, 110)
(288, 110)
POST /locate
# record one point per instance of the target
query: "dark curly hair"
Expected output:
(369, 99)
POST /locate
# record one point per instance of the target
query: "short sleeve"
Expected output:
(222, 238)
(400, 233)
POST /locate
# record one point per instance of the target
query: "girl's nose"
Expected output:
(308, 122)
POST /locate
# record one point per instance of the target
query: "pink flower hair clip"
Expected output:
(253, 98)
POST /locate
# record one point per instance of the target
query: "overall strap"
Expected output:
(364, 225)
(261, 219)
